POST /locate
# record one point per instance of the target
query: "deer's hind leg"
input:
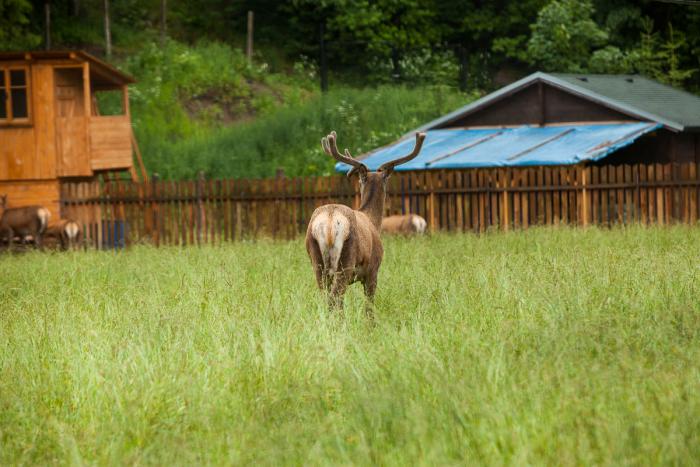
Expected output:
(323, 279)
(370, 286)
(341, 281)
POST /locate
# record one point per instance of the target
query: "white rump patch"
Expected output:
(419, 224)
(72, 230)
(44, 216)
(330, 232)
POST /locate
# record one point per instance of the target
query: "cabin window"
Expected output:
(14, 95)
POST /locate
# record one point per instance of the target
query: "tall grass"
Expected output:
(552, 346)
(289, 138)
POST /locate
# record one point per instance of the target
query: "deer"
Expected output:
(343, 243)
(66, 231)
(23, 222)
(406, 224)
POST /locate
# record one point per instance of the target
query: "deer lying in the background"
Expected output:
(22, 222)
(407, 224)
(66, 231)
(343, 243)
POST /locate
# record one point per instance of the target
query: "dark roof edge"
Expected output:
(556, 82)
(70, 54)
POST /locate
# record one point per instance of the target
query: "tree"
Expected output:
(15, 25)
(108, 30)
(564, 36)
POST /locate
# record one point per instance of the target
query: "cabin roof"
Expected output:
(633, 95)
(108, 74)
(459, 148)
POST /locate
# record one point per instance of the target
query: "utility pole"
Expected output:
(463, 68)
(47, 21)
(163, 21)
(108, 32)
(324, 61)
(249, 43)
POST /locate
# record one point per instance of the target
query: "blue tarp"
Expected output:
(514, 147)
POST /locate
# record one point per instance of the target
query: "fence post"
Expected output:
(154, 209)
(431, 198)
(505, 214)
(200, 206)
(583, 211)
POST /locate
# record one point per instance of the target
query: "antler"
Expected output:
(388, 167)
(329, 146)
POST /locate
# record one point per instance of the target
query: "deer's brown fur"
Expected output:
(406, 224)
(343, 244)
(66, 231)
(22, 222)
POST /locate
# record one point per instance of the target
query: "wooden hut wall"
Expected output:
(72, 122)
(28, 150)
(660, 147)
(33, 192)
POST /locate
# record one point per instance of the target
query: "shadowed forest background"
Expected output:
(201, 105)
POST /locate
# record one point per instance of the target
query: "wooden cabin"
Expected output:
(51, 127)
(560, 119)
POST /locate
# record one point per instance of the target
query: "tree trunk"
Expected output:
(163, 21)
(47, 19)
(108, 32)
(323, 60)
(249, 42)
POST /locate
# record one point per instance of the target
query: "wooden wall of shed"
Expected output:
(660, 147)
(33, 192)
(72, 149)
(28, 152)
(110, 142)
(529, 107)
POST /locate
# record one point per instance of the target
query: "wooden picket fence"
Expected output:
(118, 213)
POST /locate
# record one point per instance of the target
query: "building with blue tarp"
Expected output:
(558, 119)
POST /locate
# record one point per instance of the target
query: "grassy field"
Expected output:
(552, 346)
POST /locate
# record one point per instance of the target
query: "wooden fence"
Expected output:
(209, 211)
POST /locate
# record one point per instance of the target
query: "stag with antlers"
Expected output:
(343, 243)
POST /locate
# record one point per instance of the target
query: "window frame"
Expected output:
(5, 84)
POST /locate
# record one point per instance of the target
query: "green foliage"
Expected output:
(545, 347)
(420, 66)
(183, 91)
(660, 59)
(15, 25)
(671, 51)
(564, 36)
(289, 137)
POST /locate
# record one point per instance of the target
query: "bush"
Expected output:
(289, 137)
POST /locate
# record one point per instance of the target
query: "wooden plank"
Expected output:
(643, 194)
(651, 194)
(693, 175)
(668, 193)
(684, 194)
(524, 180)
(660, 201)
(44, 151)
(620, 194)
(547, 195)
(555, 201)
(504, 175)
